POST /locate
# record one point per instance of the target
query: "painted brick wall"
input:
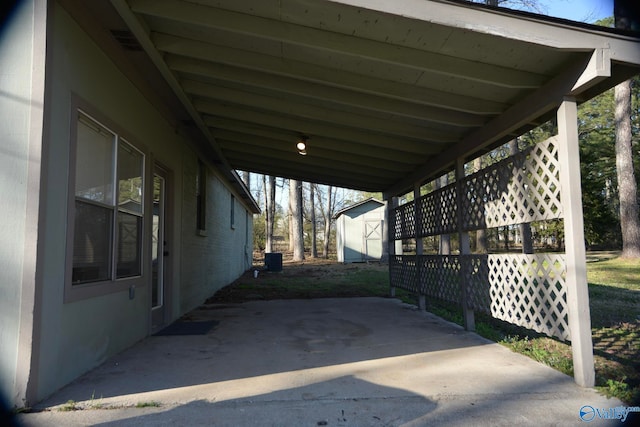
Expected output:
(213, 259)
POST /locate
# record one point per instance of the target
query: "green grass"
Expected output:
(71, 405)
(614, 290)
(316, 279)
(614, 295)
(150, 404)
(616, 272)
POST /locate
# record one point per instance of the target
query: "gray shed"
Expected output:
(359, 231)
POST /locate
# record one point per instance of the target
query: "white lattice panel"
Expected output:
(529, 290)
(404, 273)
(520, 189)
(439, 211)
(475, 269)
(526, 290)
(441, 277)
(404, 221)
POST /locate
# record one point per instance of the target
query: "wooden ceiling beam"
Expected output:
(170, 44)
(222, 73)
(314, 127)
(332, 43)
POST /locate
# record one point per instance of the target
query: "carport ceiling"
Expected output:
(386, 91)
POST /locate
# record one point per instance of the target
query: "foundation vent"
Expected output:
(127, 40)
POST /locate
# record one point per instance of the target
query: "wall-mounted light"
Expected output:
(301, 145)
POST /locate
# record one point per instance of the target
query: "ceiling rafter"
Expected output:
(253, 80)
(324, 75)
(337, 43)
(318, 147)
(208, 99)
(311, 174)
(232, 148)
(312, 128)
(535, 105)
(345, 147)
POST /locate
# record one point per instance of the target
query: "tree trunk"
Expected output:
(312, 208)
(246, 178)
(505, 235)
(626, 18)
(270, 210)
(481, 235)
(627, 188)
(295, 201)
(327, 222)
(290, 221)
(444, 246)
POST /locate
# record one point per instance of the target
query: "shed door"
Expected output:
(373, 239)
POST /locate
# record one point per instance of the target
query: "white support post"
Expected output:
(576, 280)
(422, 299)
(465, 249)
(385, 233)
(392, 203)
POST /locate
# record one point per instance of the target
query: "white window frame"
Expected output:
(79, 291)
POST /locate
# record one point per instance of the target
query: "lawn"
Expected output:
(614, 290)
(317, 278)
(614, 295)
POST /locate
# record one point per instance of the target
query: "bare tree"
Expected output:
(312, 217)
(295, 203)
(327, 207)
(481, 234)
(444, 246)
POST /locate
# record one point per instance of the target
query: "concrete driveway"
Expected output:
(323, 362)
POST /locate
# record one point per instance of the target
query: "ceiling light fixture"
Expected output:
(301, 145)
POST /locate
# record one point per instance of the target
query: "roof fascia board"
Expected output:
(355, 205)
(245, 193)
(531, 28)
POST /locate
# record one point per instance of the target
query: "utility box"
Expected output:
(273, 261)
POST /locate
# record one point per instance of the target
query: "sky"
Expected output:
(580, 10)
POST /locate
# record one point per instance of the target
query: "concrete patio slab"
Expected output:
(322, 362)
